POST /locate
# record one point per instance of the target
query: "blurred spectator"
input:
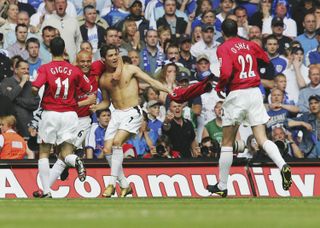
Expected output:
(168, 78)
(43, 14)
(313, 57)
(208, 47)
(278, 111)
(253, 149)
(299, 11)
(48, 33)
(153, 107)
(117, 13)
(296, 74)
(134, 56)
(18, 89)
(284, 41)
(180, 132)
(86, 46)
(163, 149)
(95, 139)
(281, 10)
(242, 21)
(98, 20)
(33, 46)
(186, 59)
(164, 34)
(285, 143)
(308, 123)
(11, 19)
(131, 36)
(150, 94)
(176, 24)
(145, 139)
(213, 128)
(19, 47)
(196, 34)
(317, 14)
(264, 12)
(254, 32)
(68, 28)
(90, 30)
(12, 145)
(312, 89)
(226, 7)
(308, 39)
(272, 48)
(136, 14)
(210, 148)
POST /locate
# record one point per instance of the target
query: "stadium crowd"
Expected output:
(175, 42)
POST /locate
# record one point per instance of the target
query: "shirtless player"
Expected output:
(119, 85)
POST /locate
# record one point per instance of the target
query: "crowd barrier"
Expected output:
(166, 178)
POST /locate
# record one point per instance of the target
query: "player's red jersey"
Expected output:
(238, 64)
(97, 68)
(61, 80)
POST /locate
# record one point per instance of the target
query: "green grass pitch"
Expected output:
(161, 212)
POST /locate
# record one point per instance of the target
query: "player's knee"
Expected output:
(117, 143)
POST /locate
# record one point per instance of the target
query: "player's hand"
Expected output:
(92, 99)
(169, 117)
(25, 78)
(93, 108)
(117, 74)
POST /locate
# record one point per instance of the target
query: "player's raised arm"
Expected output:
(138, 73)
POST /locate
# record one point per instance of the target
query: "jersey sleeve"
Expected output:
(225, 68)
(41, 78)
(84, 83)
(260, 53)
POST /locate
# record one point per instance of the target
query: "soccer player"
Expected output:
(121, 88)
(240, 79)
(59, 120)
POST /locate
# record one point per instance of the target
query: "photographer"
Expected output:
(162, 149)
(210, 148)
(287, 146)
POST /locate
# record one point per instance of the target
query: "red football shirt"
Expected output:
(61, 80)
(238, 64)
(97, 68)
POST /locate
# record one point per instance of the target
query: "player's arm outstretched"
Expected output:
(139, 74)
(105, 103)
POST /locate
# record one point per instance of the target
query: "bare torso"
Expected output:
(123, 93)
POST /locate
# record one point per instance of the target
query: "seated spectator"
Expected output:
(95, 139)
(12, 145)
(278, 111)
(154, 123)
(180, 132)
(210, 148)
(312, 89)
(163, 149)
(308, 124)
(149, 94)
(134, 56)
(285, 143)
(296, 74)
(280, 82)
(196, 34)
(213, 128)
(145, 139)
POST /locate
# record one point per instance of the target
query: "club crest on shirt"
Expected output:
(279, 68)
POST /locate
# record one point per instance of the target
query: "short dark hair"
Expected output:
(57, 46)
(111, 28)
(105, 48)
(32, 40)
(99, 112)
(21, 61)
(88, 7)
(20, 25)
(49, 28)
(229, 28)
